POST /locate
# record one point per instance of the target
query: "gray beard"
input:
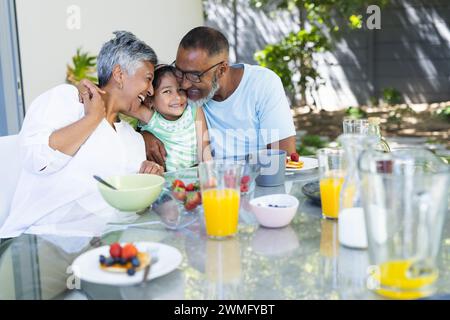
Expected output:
(199, 103)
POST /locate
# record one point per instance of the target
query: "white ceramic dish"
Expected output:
(87, 268)
(308, 165)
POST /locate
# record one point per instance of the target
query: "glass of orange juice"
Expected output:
(331, 174)
(220, 186)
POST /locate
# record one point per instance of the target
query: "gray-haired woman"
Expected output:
(64, 143)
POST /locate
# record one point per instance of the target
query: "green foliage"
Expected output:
(295, 54)
(396, 116)
(443, 114)
(356, 21)
(309, 144)
(313, 141)
(392, 96)
(373, 101)
(355, 112)
(83, 67)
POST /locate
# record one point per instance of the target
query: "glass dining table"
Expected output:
(301, 261)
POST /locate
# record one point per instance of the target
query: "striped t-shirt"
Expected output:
(179, 138)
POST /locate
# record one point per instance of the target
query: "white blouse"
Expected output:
(56, 193)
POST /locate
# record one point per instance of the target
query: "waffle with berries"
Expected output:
(126, 259)
(293, 161)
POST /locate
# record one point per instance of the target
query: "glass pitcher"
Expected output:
(375, 130)
(352, 230)
(405, 197)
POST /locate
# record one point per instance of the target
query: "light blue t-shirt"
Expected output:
(255, 115)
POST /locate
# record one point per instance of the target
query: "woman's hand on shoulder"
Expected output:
(91, 96)
(86, 88)
(151, 167)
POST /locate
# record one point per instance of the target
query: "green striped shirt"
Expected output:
(179, 138)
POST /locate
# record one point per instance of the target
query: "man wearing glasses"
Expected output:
(245, 106)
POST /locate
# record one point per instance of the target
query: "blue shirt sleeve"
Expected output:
(274, 113)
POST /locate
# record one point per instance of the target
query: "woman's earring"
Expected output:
(120, 86)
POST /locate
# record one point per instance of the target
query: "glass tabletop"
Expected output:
(301, 261)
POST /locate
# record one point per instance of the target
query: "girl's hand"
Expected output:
(151, 167)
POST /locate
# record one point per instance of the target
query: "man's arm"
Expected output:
(154, 148)
(275, 114)
(287, 145)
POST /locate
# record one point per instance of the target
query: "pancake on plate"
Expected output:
(144, 260)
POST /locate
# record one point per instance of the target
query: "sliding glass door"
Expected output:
(11, 96)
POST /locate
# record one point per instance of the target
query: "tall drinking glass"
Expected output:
(331, 174)
(220, 186)
(405, 199)
(359, 126)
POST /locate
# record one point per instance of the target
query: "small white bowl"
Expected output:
(275, 210)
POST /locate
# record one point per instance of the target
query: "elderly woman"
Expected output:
(64, 143)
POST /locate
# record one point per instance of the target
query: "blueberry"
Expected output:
(135, 262)
(131, 271)
(123, 261)
(102, 259)
(117, 260)
(109, 262)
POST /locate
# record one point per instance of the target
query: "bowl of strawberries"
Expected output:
(187, 194)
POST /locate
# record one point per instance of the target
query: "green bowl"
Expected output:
(136, 192)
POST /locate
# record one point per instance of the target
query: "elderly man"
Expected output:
(245, 106)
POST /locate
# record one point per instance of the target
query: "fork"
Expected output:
(154, 259)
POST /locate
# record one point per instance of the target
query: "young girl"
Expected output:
(180, 127)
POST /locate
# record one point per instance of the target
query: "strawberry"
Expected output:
(295, 157)
(212, 183)
(195, 198)
(178, 183)
(179, 193)
(197, 186)
(244, 188)
(245, 180)
(129, 251)
(190, 187)
(189, 206)
(198, 198)
(192, 201)
(229, 180)
(115, 250)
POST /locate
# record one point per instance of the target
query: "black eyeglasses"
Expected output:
(191, 75)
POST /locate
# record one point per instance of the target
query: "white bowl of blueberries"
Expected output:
(275, 210)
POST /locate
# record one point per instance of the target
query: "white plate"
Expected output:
(308, 164)
(87, 267)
